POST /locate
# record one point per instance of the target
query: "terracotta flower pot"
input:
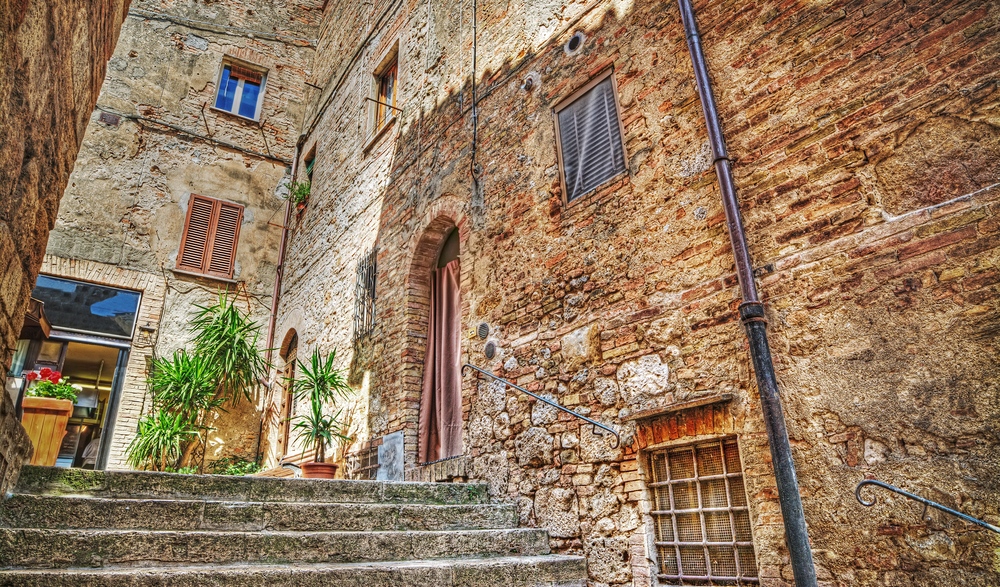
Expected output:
(45, 420)
(319, 470)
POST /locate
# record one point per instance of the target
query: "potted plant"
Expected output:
(48, 404)
(298, 193)
(321, 383)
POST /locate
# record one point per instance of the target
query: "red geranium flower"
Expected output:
(55, 376)
(31, 375)
(45, 372)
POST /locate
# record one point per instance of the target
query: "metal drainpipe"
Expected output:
(753, 318)
(279, 270)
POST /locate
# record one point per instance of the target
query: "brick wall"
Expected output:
(864, 140)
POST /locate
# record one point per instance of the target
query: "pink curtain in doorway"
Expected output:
(440, 426)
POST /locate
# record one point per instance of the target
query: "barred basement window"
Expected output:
(701, 518)
(589, 138)
(364, 295)
(211, 231)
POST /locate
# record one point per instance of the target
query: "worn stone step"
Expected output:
(35, 548)
(140, 484)
(43, 511)
(525, 571)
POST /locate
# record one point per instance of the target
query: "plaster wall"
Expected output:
(128, 196)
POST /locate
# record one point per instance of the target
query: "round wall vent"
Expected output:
(483, 331)
(490, 350)
(574, 43)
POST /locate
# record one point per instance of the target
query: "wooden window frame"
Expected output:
(378, 125)
(568, 101)
(208, 250)
(237, 100)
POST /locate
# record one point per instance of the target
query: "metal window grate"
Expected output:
(701, 517)
(364, 295)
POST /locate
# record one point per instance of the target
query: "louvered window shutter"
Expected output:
(210, 236)
(197, 230)
(227, 231)
(590, 140)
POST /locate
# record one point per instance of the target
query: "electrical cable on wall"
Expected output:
(475, 107)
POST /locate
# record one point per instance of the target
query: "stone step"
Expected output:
(141, 484)
(525, 571)
(42, 511)
(34, 548)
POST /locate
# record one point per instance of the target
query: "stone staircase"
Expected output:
(74, 527)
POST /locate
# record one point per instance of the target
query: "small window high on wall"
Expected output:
(241, 89)
(589, 138)
(700, 515)
(211, 232)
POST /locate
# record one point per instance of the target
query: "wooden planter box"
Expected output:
(45, 420)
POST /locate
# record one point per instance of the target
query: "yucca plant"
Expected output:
(158, 440)
(321, 383)
(185, 384)
(227, 337)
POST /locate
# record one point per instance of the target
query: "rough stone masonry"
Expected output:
(55, 56)
(865, 143)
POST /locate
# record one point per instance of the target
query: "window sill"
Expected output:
(606, 183)
(203, 276)
(374, 138)
(240, 116)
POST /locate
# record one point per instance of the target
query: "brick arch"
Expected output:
(286, 343)
(445, 214)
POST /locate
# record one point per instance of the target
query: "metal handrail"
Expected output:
(596, 425)
(926, 502)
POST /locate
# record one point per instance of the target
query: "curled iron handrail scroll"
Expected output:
(596, 425)
(927, 503)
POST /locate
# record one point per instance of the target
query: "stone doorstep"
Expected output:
(37, 511)
(30, 548)
(135, 484)
(524, 571)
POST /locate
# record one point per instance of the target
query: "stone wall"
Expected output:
(864, 138)
(155, 139)
(55, 56)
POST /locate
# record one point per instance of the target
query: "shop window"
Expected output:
(211, 231)
(700, 514)
(589, 138)
(241, 89)
(89, 308)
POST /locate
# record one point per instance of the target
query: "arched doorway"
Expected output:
(440, 425)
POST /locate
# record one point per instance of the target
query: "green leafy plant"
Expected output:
(298, 192)
(225, 367)
(185, 384)
(321, 383)
(234, 466)
(158, 440)
(227, 337)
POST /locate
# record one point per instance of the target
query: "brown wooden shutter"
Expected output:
(210, 236)
(227, 231)
(197, 229)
